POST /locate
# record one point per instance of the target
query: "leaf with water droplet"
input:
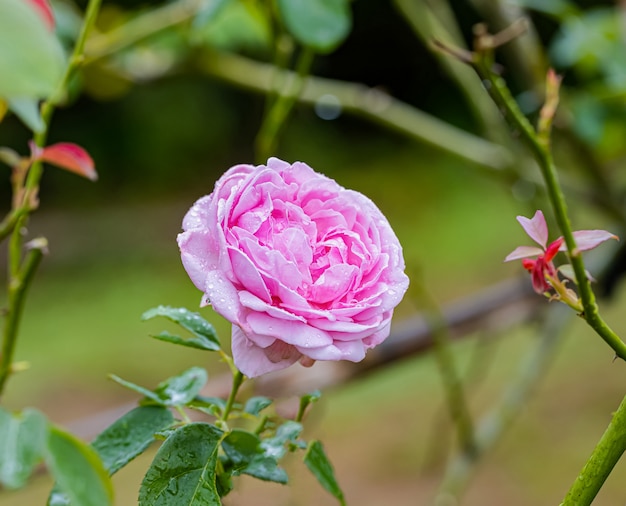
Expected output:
(246, 456)
(130, 435)
(181, 389)
(206, 337)
(183, 472)
(274, 447)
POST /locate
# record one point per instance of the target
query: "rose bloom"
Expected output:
(303, 268)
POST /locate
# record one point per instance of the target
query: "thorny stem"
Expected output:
(21, 273)
(543, 155)
(613, 443)
(605, 455)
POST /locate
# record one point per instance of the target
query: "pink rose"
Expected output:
(303, 268)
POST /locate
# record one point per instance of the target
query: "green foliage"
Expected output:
(319, 24)
(317, 461)
(245, 454)
(175, 391)
(255, 405)
(205, 336)
(78, 471)
(22, 442)
(31, 58)
(183, 470)
(234, 25)
(130, 435)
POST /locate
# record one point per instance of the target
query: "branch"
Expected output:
(369, 103)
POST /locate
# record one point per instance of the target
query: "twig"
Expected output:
(369, 103)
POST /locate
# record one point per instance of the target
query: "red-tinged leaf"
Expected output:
(523, 252)
(589, 239)
(536, 227)
(68, 156)
(45, 11)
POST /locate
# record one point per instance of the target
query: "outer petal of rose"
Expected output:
(523, 252)
(589, 239)
(195, 248)
(354, 351)
(252, 360)
(223, 296)
(535, 227)
(289, 331)
(381, 334)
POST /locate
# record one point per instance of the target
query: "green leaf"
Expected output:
(22, 442)
(237, 25)
(318, 463)
(175, 391)
(275, 446)
(31, 57)
(200, 343)
(27, 109)
(246, 455)
(183, 470)
(136, 388)
(207, 12)
(181, 389)
(123, 440)
(130, 435)
(213, 406)
(190, 321)
(78, 471)
(255, 405)
(319, 24)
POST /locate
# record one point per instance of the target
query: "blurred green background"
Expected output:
(160, 140)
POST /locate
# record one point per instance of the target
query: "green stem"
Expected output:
(274, 120)
(541, 151)
(601, 462)
(18, 286)
(238, 378)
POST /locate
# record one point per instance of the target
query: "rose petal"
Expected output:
(354, 351)
(535, 227)
(523, 252)
(589, 239)
(196, 248)
(290, 332)
(253, 361)
(248, 275)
